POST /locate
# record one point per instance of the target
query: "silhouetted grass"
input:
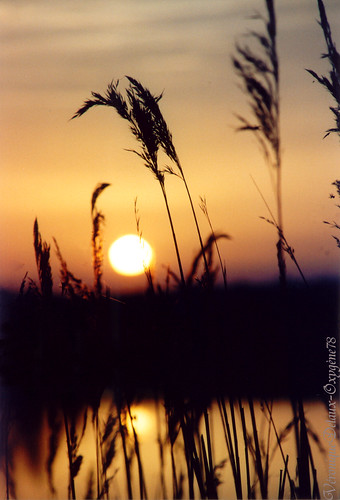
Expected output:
(331, 84)
(67, 354)
(144, 128)
(98, 343)
(259, 72)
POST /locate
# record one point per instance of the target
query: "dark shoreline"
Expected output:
(250, 342)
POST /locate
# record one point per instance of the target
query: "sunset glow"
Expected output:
(53, 56)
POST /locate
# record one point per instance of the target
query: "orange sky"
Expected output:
(54, 53)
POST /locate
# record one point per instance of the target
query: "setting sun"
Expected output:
(130, 255)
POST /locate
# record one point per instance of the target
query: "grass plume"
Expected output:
(42, 257)
(332, 83)
(143, 127)
(98, 219)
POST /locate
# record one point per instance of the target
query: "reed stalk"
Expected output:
(96, 430)
(147, 270)
(259, 73)
(98, 219)
(278, 440)
(161, 449)
(142, 485)
(237, 459)
(258, 458)
(42, 257)
(246, 445)
(232, 452)
(332, 83)
(143, 128)
(208, 459)
(70, 457)
(122, 431)
(282, 482)
(303, 456)
(204, 208)
(166, 142)
(286, 247)
(173, 430)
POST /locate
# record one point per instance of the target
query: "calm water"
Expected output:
(31, 481)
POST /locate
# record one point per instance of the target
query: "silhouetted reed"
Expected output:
(97, 241)
(334, 224)
(142, 126)
(204, 208)
(42, 257)
(147, 269)
(332, 84)
(259, 72)
(164, 137)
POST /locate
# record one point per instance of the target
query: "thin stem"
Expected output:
(244, 430)
(231, 403)
(69, 452)
(287, 247)
(142, 487)
(97, 453)
(204, 209)
(195, 219)
(258, 461)
(126, 458)
(161, 182)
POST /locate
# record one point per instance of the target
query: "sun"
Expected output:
(130, 255)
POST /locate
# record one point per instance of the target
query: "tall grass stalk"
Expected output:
(97, 239)
(161, 449)
(211, 483)
(194, 464)
(147, 270)
(142, 485)
(142, 126)
(278, 440)
(246, 446)
(166, 142)
(172, 434)
(204, 208)
(97, 445)
(72, 488)
(231, 447)
(122, 431)
(42, 257)
(259, 72)
(258, 458)
(332, 83)
(105, 452)
(287, 248)
(282, 482)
